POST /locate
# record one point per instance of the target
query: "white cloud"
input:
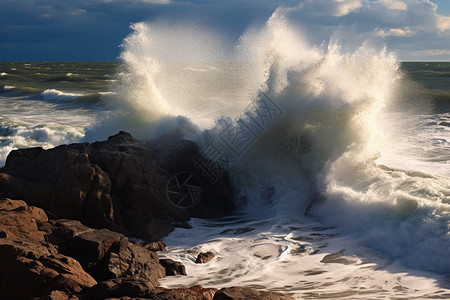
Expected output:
(336, 8)
(407, 25)
(431, 52)
(394, 4)
(394, 32)
(443, 23)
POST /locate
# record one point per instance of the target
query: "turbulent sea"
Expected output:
(339, 156)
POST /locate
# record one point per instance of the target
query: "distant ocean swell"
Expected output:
(53, 94)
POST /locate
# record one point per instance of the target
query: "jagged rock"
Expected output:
(119, 184)
(35, 262)
(19, 221)
(204, 257)
(119, 287)
(58, 295)
(184, 225)
(173, 267)
(132, 288)
(115, 186)
(194, 293)
(29, 265)
(155, 246)
(28, 272)
(241, 293)
(105, 254)
(62, 181)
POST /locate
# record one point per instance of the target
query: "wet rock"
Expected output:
(62, 181)
(174, 154)
(29, 265)
(173, 267)
(204, 257)
(242, 293)
(119, 184)
(58, 295)
(184, 225)
(35, 273)
(155, 246)
(105, 254)
(338, 258)
(111, 184)
(19, 221)
(119, 287)
(29, 271)
(194, 293)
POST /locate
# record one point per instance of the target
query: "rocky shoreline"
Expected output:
(70, 218)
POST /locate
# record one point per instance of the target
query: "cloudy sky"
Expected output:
(68, 30)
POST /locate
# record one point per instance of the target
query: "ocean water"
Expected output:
(338, 153)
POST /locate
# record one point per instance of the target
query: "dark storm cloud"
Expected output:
(93, 29)
(67, 30)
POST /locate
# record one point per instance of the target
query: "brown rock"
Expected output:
(173, 267)
(113, 184)
(58, 295)
(242, 293)
(10, 204)
(119, 184)
(204, 257)
(119, 287)
(134, 289)
(155, 246)
(29, 265)
(28, 271)
(106, 254)
(62, 181)
(194, 293)
(19, 221)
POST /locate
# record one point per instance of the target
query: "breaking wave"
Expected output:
(319, 154)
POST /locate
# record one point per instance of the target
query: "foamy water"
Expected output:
(302, 257)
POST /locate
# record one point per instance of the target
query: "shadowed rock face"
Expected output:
(172, 267)
(38, 256)
(119, 184)
(103, 253)
(29, 265)
(136, 288)
(204, 257)
(173, 154)
(238, 293)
